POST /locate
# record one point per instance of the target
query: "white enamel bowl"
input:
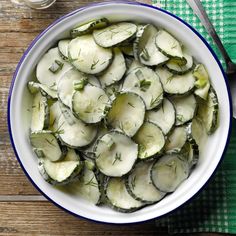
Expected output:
(20, 100)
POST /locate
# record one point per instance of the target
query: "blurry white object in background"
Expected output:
(36, 4)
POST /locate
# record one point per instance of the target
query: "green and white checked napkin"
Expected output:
(214, 209)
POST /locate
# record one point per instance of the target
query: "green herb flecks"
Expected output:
(180, 118)
(93, 66)
(117, 158)
(155, 101)
(79, 86)
(56, 66)
(91, 182)
(130, 104)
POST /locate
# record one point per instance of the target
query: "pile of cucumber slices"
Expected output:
(120, 113)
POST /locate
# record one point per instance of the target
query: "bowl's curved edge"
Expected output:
(75, 12)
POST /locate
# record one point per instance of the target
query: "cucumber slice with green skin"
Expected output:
(176, 84)
(208, 111)
(164, 116)
(88, 57)
(192, 145)
(87, 187)
(176, 140)
(115, 154)
(169, 172)
(127, 113)
(203, 82)
(176, 68)
(63, 48)
(185, 107)
(90, 104)
(146, 83)
(37, 87)
(148, 53)
(66, 84)
(71, 155)
(190, 153)
(150, 139)
(54, 115)
(47, 144)
(197, 131)
(46, 76)
(115, 71)
(114, 34)
(60, 173)
(40, 113)
(138, 35)
(89, 150)
(139, 184)
(168, 45)
(88, 27)
(118, 197)
(76, 134)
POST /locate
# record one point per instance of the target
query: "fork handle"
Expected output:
(198, 9)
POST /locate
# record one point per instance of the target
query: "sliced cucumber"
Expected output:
(46, 143)
(178, 68)
(90, 104)
(150, 139)
(164, 116)
(146, 83)
(119, 198)
(76, 134)
(176, 84)
(89, 150)
(115, 71)
(168, 45)
(63, 48)
(193, 147)
(88, 57)
(87, 187)
(54, 115)
(203, 82)
(88, 27)
(71, 155)
(190, 153)
(197, 131)
(148, 53)
(37, 87)
(50, 68)
(127, 113)
(114, 34)
(169, 172)
(66, 85)
(208, 111)
(139, 184)
(185, 107)
(40, 113)
(115, 154)
(60, 173)
(176, 140)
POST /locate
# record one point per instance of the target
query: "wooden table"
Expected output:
(23, 211)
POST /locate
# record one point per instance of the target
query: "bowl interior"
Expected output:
(20, 103)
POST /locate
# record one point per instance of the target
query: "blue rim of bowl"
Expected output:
(71, 14)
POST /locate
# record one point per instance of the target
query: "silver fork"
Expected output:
(198, 9)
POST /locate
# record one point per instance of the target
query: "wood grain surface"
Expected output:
(23, 211)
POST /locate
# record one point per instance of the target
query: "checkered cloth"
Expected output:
(214, 210)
